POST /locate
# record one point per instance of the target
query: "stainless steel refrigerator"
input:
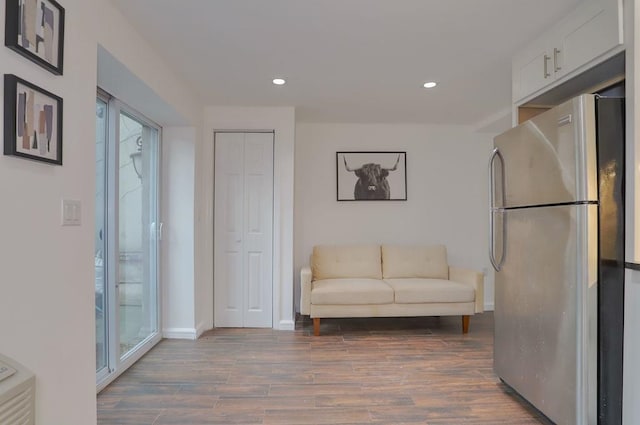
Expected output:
(557, 244)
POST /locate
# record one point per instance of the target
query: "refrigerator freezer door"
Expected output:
(550, 159)
(545, 314)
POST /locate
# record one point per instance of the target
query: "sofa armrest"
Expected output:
(305, 290)
(472, 277)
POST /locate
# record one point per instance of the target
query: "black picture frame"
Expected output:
(35, 29)
(32, 121)
(371, 176)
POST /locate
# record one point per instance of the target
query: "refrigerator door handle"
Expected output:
(497, 265)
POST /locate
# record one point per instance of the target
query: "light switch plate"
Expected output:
(71, 212)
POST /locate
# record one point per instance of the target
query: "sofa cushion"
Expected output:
(413, 291)
(414, 261)
(346, 261)
(351, 291)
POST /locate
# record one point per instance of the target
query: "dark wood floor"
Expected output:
(360, 371)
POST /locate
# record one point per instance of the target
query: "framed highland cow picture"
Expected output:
(371, 176)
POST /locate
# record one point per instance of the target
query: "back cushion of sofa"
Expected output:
(428, 262)
(346, 261)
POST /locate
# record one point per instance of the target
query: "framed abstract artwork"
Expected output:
(371, 176)
(32, 121)
(35, 29)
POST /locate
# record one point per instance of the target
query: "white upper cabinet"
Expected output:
(533, 68)
(587, 36)
(593, 31)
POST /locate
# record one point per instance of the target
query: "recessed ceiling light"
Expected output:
(278, 81)
(430, 85)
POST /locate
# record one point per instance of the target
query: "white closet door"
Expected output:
(258, 225)
(229, 194)
(243, 229)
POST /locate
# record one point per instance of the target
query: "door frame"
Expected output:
(275, 289)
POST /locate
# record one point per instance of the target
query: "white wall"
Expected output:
(282, 120)
(143, 66)
(47, 271)
(446, 191)
(177, 260)
(129, 69)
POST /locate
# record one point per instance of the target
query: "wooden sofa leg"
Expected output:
(465, 324)
(316, 326)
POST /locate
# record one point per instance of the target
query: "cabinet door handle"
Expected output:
(556, 66)
(546, 66)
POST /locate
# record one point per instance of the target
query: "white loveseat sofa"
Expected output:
(387, 281)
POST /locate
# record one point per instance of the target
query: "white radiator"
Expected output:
(17, 393)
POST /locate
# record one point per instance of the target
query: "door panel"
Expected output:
(592, 32)
(137, 242)
(228, 261)
(254, 207)
(551, 158)
(545, 298)
(233, 278)
(532, 73)
(243, 226)
(102, 329)
(254, 285)
(258, 230)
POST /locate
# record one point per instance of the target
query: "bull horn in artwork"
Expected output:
(395, 166)
(347, 167)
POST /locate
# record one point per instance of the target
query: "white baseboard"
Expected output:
(489, 307)
(287, 325)
(180, 333)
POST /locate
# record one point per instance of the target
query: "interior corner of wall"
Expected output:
(202, 328)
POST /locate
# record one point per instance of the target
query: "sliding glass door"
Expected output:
(137, 230)
(127, 235)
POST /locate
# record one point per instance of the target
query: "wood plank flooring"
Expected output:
(359, 371)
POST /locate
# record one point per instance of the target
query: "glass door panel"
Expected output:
(137, 229)
(100, 238)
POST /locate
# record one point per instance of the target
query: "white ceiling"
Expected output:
(348, 60)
